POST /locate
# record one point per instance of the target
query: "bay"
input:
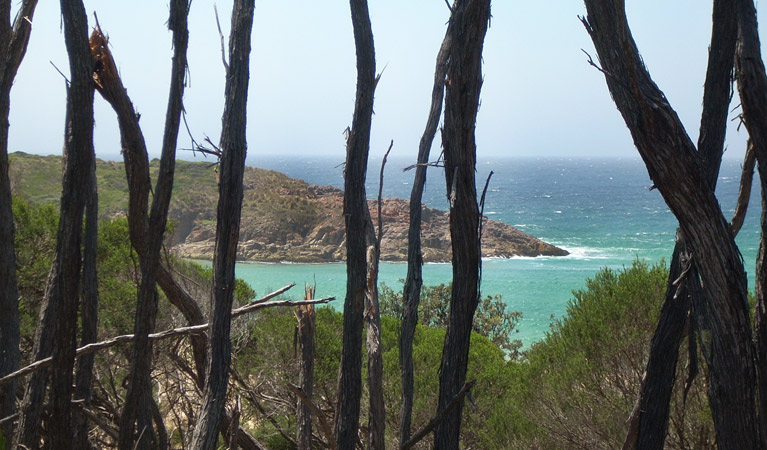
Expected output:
(601, 210)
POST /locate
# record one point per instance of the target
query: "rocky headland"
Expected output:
(283, 219)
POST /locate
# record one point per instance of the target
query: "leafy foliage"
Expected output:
(492, 319)
(580, 383)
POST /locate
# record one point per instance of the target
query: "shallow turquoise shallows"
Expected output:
(601, 210)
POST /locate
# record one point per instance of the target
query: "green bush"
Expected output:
(579, 384)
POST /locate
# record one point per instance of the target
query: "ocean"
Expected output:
(601, 210)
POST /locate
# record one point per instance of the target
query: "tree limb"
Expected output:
(122, 339)
(437, 420)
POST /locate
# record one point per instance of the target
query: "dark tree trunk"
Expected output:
(676, 169)
(357, 219)
(752, 86)
(80, 160)
(136, 159)
(13, 45)
(136, 431)
(230, 190)
(414, 281)
(89, 301)
(305, 330)
(468, 25)
(650, 416)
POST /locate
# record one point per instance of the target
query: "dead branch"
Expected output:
(436, 421)
(221, 38)
(379, 238)
(197, 329)
(317, 412)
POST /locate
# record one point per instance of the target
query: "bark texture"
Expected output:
(649, 420)
(89, 302)
(414, 280)
(80, 161)
(13, 45)
(136, 430)
(357, 222)
(752, 87)
(234, 148)
(676, 169)
(468, 27)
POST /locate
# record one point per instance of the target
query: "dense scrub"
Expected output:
(573, 389)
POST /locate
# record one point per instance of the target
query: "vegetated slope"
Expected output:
(283, 219)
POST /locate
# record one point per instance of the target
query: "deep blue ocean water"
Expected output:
(601, 210)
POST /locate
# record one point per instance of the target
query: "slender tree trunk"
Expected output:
(89, 301)
(136, 160)
(752, 86)
(675, 167)
(233, 148)
(80, 161)
(136, 431)
(469, 23)
(372, 313)
(357, 219)
(414, 281)
(650, 416)
(306, 327)
(13, 45)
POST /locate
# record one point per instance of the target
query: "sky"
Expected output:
(540, 97)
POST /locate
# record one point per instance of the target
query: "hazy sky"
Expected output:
(540, 97)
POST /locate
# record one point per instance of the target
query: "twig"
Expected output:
(317, 412)
(436, 421)
(221, 38)
(60, 73)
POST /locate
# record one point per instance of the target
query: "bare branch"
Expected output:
(221, 37)
(436, 421)
(196, 329)
(380, 198)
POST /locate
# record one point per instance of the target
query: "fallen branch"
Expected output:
(197, 329)
(435, 421)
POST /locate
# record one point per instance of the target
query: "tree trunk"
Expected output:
(372, 313)
(89, 301)
(136, 160)
(13, 45)
(752, 86)
(233, 148)
(650, 416)
(305, 330)
(469, 23)
(414, 281)
(80, 161)
(136, 431)
(676, 169)
(357, 222)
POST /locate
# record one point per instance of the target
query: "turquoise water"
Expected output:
(601, 210)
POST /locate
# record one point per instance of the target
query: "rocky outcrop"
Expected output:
(324, 239)
(283, 218)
